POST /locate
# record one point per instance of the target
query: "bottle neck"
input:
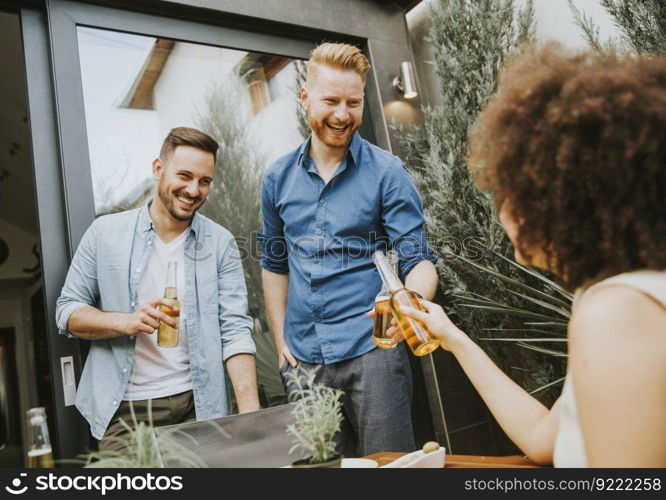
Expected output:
(172, 272)
(388, 276)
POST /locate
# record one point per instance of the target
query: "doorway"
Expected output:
(24, 382)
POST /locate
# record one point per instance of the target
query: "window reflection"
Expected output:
(136, 88)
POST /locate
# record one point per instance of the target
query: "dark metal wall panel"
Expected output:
(52, 219)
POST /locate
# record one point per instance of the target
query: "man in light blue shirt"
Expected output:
(115, 287)
(327, 207)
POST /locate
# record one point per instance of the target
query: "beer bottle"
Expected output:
(167, 336)
(40, 454)
(417, 335)
(383, 314)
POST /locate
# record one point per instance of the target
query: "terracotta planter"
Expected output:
(305, 464)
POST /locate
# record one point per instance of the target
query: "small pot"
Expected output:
(334, 463)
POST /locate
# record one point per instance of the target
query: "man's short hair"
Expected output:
(185, 136)
(338, 55)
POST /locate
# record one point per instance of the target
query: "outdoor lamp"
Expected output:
(405, 81)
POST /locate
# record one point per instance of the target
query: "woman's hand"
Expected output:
(438, 322)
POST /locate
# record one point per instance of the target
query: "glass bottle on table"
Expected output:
(383, 316)
(417, 335)
(167, 336)
(40, 454)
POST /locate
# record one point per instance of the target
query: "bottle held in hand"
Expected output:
(383, 316)
(167, 336)
(417, 335)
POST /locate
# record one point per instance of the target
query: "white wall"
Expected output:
(191, 71)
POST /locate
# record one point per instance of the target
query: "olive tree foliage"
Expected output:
(234, 203)
(641, 23)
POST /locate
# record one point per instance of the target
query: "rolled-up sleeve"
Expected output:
(274, 252)
(403, 219)
(81, 286)
(235, 324)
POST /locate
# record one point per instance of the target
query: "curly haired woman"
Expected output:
(573, 149)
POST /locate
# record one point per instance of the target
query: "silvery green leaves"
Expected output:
(317, 415)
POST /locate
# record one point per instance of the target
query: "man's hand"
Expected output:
(147, 318)
(284, 354)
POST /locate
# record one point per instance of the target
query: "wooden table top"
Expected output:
(464, 461)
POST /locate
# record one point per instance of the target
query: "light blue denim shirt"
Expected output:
(105, 273)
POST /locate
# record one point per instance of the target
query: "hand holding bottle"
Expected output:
(438, 322)
(147, 318)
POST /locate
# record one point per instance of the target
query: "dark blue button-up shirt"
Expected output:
(324, 235)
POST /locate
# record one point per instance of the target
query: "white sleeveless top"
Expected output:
(569, 444)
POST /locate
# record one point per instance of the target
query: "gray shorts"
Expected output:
(377, 401)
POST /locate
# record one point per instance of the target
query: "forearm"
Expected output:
(243, 374)
(423, 279)
(276, 287)
(89, 323)
(523, 418)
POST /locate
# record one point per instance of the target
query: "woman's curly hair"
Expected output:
(577, 146)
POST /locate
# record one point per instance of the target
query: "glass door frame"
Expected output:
(73, 191)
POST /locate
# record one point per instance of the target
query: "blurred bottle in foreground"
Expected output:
(40, 454)
(417, 335)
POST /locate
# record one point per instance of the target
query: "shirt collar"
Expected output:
(146, 223)
(354, 150)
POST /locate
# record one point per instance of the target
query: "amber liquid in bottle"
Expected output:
(167, 336)
(382, 323)
(417, 335)
(383, 316)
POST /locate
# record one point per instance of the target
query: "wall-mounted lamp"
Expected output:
(405, 81)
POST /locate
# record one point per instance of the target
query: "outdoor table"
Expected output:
(464, 461)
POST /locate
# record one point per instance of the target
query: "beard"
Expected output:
(321, 129)
(169, 200)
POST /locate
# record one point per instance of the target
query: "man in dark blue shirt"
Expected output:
(327, 206)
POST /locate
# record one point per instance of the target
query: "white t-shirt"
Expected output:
(161, 371)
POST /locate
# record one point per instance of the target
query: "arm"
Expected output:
(238, 348)
(243, 374)
(618, 362)
(423, 279)
(75, 313)
(90, 323)
(529, 424)
(275, 272)
(276, 287)
(403, 221)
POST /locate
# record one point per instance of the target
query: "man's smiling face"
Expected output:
(184, 180)
(333, 100)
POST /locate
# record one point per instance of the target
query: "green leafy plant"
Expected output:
(317, 416)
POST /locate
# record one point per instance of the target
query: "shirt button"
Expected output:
(314, 288)
(149, 242)
(318, 231)
(124, 370)
(115, 403)
(322, 201)
(132, 304)
(316, 261)
(138, 271)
